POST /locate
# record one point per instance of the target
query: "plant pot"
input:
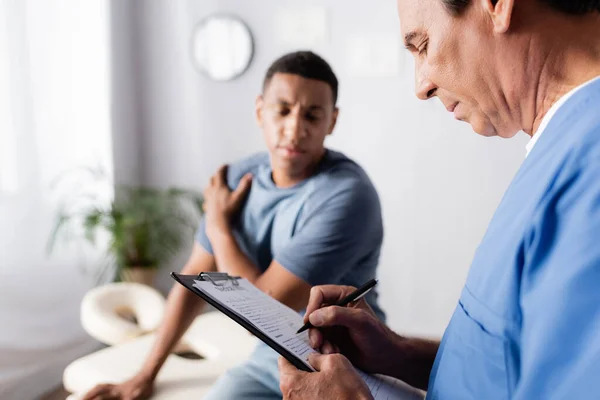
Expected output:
(142, 275)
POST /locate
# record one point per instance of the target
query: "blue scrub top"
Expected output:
(527, 325)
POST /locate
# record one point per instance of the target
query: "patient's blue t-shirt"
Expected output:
(325, 230)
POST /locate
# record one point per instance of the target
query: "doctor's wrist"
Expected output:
(395, 352)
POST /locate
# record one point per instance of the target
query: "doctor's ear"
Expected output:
(500, 13)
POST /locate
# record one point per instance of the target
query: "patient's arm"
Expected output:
(182, 307)
(221, 205)
(284, 286)
(276, 281)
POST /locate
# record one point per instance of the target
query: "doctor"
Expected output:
(527, 325)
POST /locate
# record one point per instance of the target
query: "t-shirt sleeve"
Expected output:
(560, 295)
(338, 234)
(202, 238)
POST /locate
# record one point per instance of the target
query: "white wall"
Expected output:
(439, 182)
(125, 107)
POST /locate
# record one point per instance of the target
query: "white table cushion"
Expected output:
(101, 310)
(220, 340)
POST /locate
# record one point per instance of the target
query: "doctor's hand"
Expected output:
(335, 378)
(221, 204)
(354, 330)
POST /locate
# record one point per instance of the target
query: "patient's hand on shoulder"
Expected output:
(137, 388)
(221, 204)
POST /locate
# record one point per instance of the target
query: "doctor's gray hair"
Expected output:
(574, 7)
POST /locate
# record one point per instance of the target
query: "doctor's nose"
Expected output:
(424, 88)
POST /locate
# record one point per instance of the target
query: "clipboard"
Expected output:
(220, 279)
(276, 325)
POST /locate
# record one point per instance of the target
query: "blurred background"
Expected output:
(133, 93)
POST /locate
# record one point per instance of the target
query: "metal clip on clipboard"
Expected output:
(217, 278)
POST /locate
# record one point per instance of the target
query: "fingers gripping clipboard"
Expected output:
(276, 324)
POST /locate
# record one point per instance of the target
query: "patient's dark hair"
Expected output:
(307, 65)
(575, 7)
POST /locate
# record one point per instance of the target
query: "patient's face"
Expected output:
(296, 115)
(457, 59)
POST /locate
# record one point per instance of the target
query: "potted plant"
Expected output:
(142, 227)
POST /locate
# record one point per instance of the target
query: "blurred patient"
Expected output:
(286, 219)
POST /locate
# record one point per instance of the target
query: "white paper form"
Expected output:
(281, 323)
(271, 317)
